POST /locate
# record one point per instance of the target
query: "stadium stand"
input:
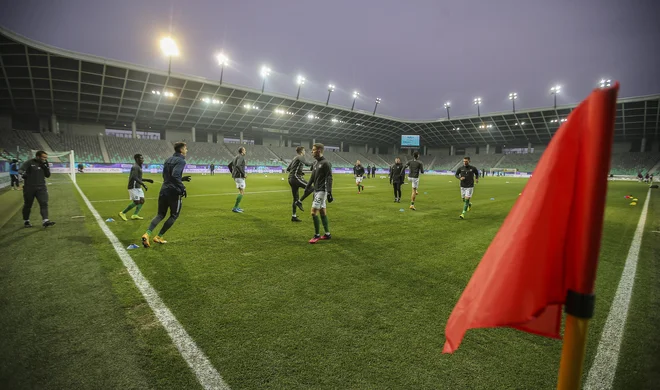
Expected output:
(10, 140)
(337, 160)
(86, 147)
(287, 153)
(522, 162)
(442, 163)
(206, 153)
(632, 163)
(427, 160)
(255, 154)
(352, 157)
(121, 150)
(484, 162)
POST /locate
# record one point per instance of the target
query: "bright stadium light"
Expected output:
(170, 49)
(604, 83)
(477, 102)
(513, 96)
(300, 80)
(377, 103)
(265, 72)
(223, 60)
(554, 91)
(355, 96)
(331, 89)
(335, 120)
(447, 107)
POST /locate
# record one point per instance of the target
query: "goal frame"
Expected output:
(70, 166)
(503, 171)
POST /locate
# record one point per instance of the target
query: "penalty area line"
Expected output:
(602, 372)
(206, 374)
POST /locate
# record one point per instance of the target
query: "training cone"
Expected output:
(633, 203)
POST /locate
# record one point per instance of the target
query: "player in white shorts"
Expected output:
(468, 176)
(415, 168)
(238, 172)
(135, 192)
(358, 172)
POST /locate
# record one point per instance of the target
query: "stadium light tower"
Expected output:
(377, 103)
(331, 88)
(604, 83)
(554, 91)
(477, 101)
(265, 72)
(513, 96)
(447, 106)
(300, 81)
(170, 49)
(355, 96)
(222, 61)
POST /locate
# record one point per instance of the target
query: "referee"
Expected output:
(296, 181)
(35, 172)
(171, 193)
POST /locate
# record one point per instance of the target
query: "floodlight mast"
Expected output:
(300, 81)
(331, 88)
(170, 49)
(265, 72)
(447, 106)
(355, 96)
(477, 102)
(222, 61)
(377, 103)
(554, 91)
(513, 96)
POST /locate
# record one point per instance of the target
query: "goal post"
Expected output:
(61, 162)
(503, 171)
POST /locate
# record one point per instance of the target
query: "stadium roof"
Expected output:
(39, 79)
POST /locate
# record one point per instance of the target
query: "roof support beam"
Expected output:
(50, 81)
(79, 82)
(98, 114)
(34, 93)
(121, 99)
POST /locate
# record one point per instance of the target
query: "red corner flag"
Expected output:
(550, 240)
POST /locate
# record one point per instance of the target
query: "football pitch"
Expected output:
(364, 310)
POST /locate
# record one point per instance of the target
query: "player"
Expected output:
(237, 169)
(468, 175)
(81, 168)
(13, 174)
(397, 175)
(212, 169)
(321, 182)
(135, 185)
(35, 172)
(358, 172)
(415, 168)
(296, 181)
(373, 172)
(171, 193)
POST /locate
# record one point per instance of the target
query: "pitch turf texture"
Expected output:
(366, 309)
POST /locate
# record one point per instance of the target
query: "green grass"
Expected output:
(364, 310)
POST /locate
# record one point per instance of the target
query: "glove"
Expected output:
(330, 198)
(45, 164)
(145, 187)
(148, 180)
(185, 194)
(186, 178)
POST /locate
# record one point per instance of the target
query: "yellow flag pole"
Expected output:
(572, 354)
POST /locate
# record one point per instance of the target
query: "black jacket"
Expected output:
(35, 172)
(173, 174)
(397, 173)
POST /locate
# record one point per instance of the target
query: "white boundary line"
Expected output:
(206, 374)
(602, 372)
(220, 194)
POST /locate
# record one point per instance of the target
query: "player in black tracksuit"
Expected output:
(171, 193)
(397, 175)
(468, 175)
(358, 172)
(296, 181)
(35, 172)
(373, 172)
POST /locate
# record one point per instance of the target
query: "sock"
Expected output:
(148, 232)
(326, 226)
(238, 200)
(293, 208)
(130, 206)
(465, 205)
(317, 224)
(412, 203)
(137, 209)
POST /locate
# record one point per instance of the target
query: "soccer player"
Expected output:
(468, 175)
(368, 170)
(212, 168)
(415, 169)
(373, 172)
(358, 172)
(239, 175)
(135, 193)
(35, 171)
(81, 168)
(13, 174)
(397, 175)
(171, 193)
(296, 181)
(321, 181)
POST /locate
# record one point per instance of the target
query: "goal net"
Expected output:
(503, 171)
(61, 163)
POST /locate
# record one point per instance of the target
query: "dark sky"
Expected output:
(414, 54)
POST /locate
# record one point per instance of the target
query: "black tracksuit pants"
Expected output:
(29, 193)
(397, 190)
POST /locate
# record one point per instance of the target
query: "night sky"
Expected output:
(415, 54)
